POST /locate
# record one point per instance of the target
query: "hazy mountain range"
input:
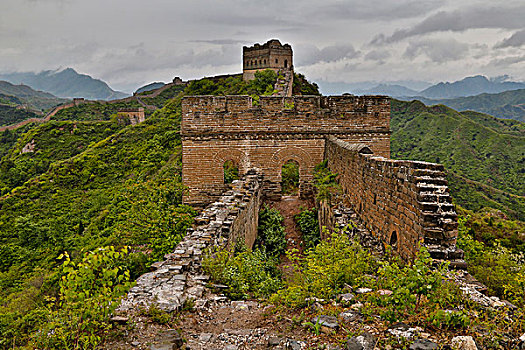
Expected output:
(468, 86)
(66, 83)
(23, 95)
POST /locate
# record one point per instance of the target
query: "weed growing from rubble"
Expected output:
(323, 272)
(248, 274)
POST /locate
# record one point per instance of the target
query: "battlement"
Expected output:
(319, 115)
(271, 55)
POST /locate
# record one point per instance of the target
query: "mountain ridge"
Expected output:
(66, 83)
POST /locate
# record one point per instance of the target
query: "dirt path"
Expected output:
(289, 207)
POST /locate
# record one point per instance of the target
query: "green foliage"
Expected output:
(89, 292)
(507, 104)
(271, 235)
(309, 226)
(502, 271)
(484, 156)
(53, 141)
(263, 84)
(301, 86)
(231, 172)
(247, 273)
(290, 178)
(12, 115)
(94, 111)
(325, 182)
(158, 315)
(409, 284)
(325, 270)
(449, 319)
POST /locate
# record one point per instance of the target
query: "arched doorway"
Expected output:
(290, 178)
(231, 171)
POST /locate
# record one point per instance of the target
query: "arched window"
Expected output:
(255, 63)
(264, 62)
(276, 61)
(393, 239)
(260, 62)
(290, 178)
(285, 63)
(231, 172)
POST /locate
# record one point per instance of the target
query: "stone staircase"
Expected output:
(284, 84)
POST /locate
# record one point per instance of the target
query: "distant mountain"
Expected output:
(393, 90)
(338, 88)
(23, 95)
(469, 86)
(65, 83)
(149, 87)
(508, 104)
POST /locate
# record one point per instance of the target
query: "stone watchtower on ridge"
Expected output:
(272, 55)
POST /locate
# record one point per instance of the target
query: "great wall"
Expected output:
(402, 203)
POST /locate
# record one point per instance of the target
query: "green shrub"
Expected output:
(502, 271)
(271, 235)
(90, 291)
(410, 284)
(324, 271)
(309, 226)
(325, 182)
(247, 273)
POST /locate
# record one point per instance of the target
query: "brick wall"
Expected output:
(402, 202)
(219, 128)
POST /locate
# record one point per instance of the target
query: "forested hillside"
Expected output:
(85, 184)
(485, 156)
(90, 181)
(508, 104)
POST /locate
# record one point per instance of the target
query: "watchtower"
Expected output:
(272, 55)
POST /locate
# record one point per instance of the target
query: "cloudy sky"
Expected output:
(131, 42)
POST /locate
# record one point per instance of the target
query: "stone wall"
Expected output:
(263, 137)
(401, 202)
(134, 115)
(221, 225)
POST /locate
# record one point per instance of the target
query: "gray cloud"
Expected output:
(127, 42)
(376, 9)
(516, 40)
(438, 50)
(507, 61)
(461, 20)
(377, 55)
(222, 41)
(307, 55)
